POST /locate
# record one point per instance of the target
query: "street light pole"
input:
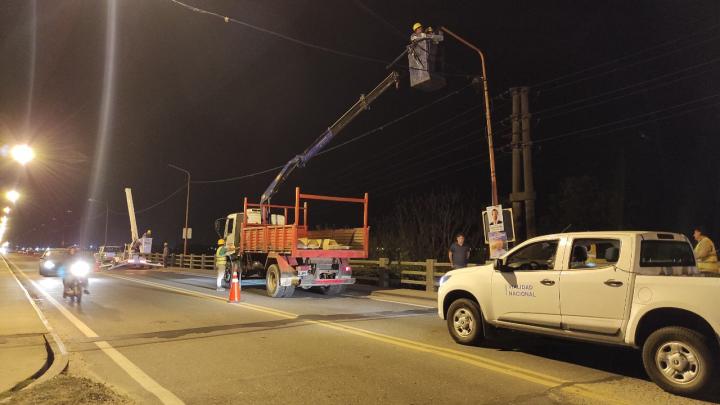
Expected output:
(187, 207)
(488, 124)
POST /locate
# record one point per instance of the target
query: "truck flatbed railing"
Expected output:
(297, 239)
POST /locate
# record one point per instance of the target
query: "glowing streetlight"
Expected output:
(12, 196)
(6, 210)
(22, 154)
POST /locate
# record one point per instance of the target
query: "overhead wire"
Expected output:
(628, 57)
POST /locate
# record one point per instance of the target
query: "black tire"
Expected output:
(333, 289)
(272, 282)
(289, 291)
(78, 293)
(464, 322)
(227, 279)
(686, 357)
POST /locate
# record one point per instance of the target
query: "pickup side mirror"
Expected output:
(499, 265)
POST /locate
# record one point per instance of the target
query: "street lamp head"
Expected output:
(12, 196)
(22, 154)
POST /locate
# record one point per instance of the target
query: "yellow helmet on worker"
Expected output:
(221, 242)
(416, 26)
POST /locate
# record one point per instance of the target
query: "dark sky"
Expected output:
(223, 100)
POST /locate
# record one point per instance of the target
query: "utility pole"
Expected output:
(187, 207)
(527, 164)
(488, 121)
(515, 143)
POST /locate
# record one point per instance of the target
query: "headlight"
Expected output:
(48, 265)
(444, 278)
(80, 269)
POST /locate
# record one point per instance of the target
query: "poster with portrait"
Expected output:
(495, 218)
(498, 244)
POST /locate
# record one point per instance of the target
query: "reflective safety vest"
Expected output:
(220, 258)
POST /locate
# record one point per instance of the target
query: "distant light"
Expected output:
(22, 154)
(12, 196)
(6, 210)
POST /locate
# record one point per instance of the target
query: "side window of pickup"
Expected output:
(594, 253)
(536, 256)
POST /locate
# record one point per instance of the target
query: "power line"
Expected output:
(349, 141)
(638, 85)
(629, 56)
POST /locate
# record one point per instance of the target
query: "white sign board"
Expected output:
(498, 244)
(495, 218)
(146, 245)
(187, 233)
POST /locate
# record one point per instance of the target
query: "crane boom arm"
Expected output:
(131, 213)
(302, 159)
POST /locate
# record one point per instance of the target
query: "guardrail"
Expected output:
(381, 272)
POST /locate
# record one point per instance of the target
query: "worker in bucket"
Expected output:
(220, 261)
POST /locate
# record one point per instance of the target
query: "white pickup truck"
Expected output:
(637, 289)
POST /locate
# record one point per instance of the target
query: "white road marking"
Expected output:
(147, 382)
(394, 302)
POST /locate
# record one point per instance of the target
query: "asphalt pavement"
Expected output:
(169, 337)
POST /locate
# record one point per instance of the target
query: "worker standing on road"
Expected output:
(705, 253)
(220, 261)
(459, 252)
(166, 254)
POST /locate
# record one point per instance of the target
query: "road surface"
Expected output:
(164, 337)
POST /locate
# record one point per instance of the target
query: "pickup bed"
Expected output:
(636, 289)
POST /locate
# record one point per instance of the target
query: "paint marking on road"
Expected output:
(142, 378)
(467, 358)
(43, 319)
(394, 302)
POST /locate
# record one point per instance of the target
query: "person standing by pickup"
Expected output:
(459, 252)
(705, 253)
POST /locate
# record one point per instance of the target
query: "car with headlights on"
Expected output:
(50, 260)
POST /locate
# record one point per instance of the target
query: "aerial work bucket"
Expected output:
(425, 61)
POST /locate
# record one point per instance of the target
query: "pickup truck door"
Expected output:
(594, 285)
(526, 291)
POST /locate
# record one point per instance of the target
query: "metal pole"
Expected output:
(107, 217)
(527, 164)
(488, 124)
(515, 196)
(187, 206)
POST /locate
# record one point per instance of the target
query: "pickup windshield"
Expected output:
(665, 253)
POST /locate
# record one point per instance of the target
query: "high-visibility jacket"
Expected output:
(706, 255)
(220, 258)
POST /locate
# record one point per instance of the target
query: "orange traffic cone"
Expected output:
(234, 288)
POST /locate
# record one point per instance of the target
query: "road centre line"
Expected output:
(137, 374)
(467, 358)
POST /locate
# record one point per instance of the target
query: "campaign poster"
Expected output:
(495, 218)
(498, 244)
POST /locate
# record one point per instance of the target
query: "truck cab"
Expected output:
(636, 289)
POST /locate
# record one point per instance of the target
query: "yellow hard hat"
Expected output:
(221, 241)
(416, 26)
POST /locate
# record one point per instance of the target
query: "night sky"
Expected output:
(625, 92)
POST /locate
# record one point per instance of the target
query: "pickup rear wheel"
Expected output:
(464, 322)
(679, 360)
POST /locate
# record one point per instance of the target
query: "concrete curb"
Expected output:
(57, 357)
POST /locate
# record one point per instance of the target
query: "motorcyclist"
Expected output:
(67, 277)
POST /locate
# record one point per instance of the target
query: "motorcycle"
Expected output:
(76, 279)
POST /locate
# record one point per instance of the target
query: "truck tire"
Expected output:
(289, 291)
(333, 289)
(227, 279)
(464, 322)
(272, 285)
(679, 360)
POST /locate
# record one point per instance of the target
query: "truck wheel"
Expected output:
(464, 322)
(272, 285)
(226, 280)
(679, 360)
(333, 289)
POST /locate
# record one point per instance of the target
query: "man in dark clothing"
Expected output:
(459, 252)
(165, 254)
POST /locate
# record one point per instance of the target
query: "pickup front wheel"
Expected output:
(679, 360)
(464, 322)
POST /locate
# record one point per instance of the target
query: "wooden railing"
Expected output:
(381, 272)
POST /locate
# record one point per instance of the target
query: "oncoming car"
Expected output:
(50, 260)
